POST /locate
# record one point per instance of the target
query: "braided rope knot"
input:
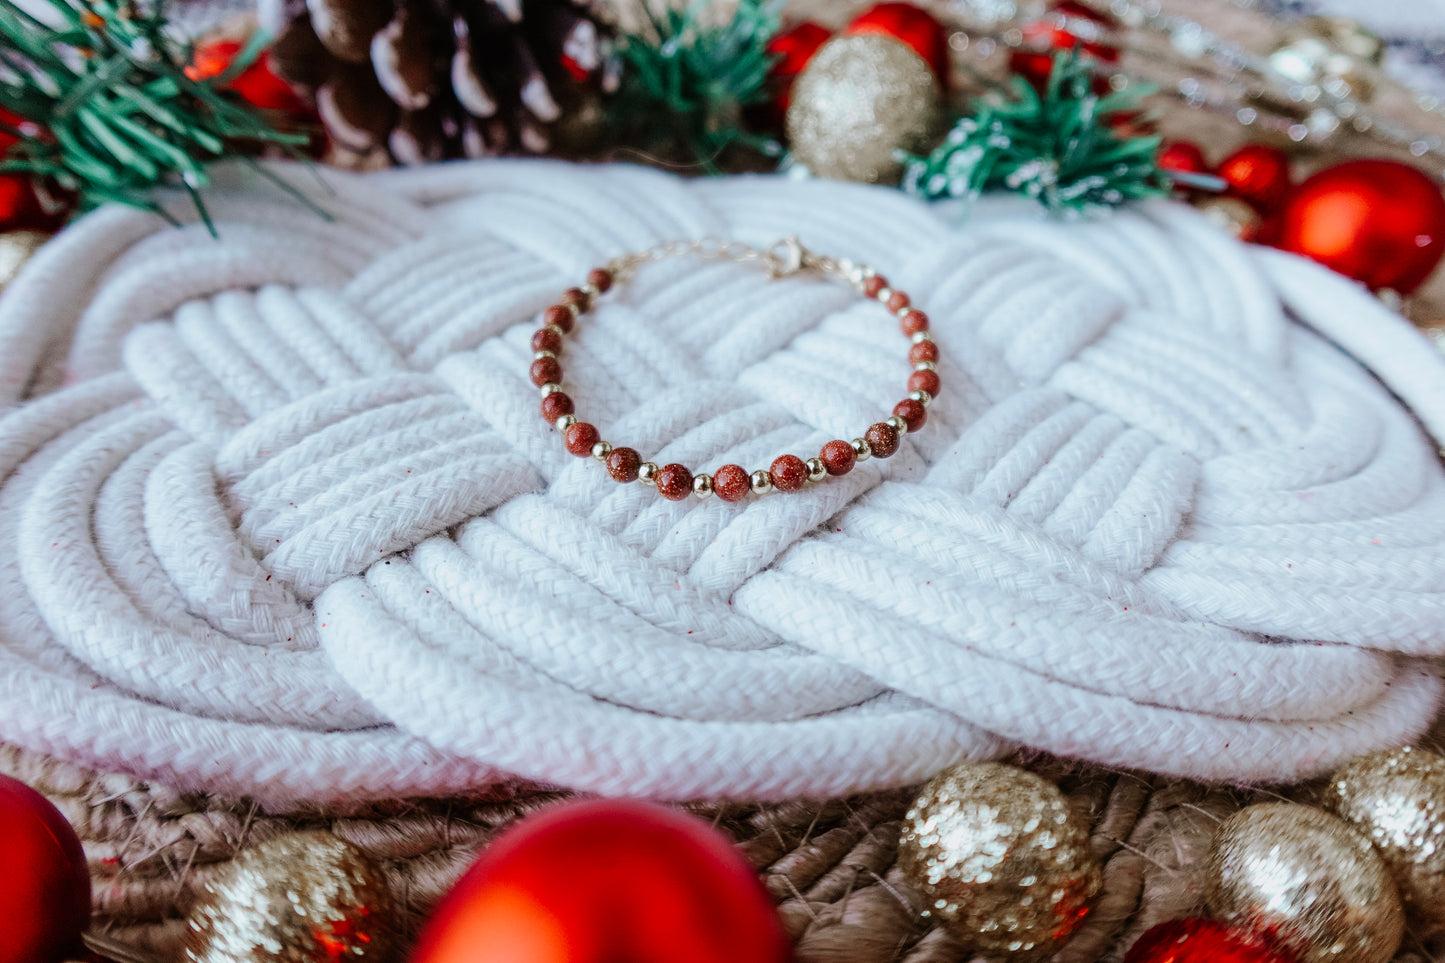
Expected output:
(280, 517)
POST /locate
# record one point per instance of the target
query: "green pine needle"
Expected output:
(689, 81)
(1057, 148)
(115, 112)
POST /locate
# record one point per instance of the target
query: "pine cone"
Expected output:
(433, 79)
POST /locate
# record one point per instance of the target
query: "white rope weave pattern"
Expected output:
(278, 516)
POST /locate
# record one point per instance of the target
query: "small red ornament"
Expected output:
(913, 26)
(44, 881)
(1258, 174)
(257, 85)
(1377, 221)
(1046, 37)
(604, 881)
(794, 48)
(1184, 156)
(1201, 941)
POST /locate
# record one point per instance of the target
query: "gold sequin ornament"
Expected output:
(17, 247)
(999, 856)
(298, 898)
(861, 99)
(1397, 800)
(1307, 879)
(1231, 214)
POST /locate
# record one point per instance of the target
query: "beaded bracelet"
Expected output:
(787, 473)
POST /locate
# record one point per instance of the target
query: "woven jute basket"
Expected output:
(829, 864)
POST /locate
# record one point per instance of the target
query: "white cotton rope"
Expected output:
(278, 516)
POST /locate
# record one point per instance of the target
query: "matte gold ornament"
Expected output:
(861, 99)
(299, 898)
(17, 247)
(1309, 880)
(999, 856)
(1397, 800)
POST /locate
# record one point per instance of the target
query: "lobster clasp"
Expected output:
(786, 257)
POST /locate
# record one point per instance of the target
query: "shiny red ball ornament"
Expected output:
(44, 881)
(1046, 37)
(917, 28)
(1257, 174)
(1201, 941)
(1184, 156)
(794, 49)
(1377, 221)
(607, 881)
(257, 85)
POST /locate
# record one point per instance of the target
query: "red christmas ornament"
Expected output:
(1376, 221)
(1184, 156)
(917, 28)
(605, 881)
(257, 85)
(794, 48)
(44, 882)
(1258, 174)
(19, 207)
(1201, 941)
(1046, 37)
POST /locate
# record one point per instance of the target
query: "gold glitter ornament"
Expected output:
(1231, 214)
(999, 856)
(17, 247)
(1396, 799)
(1307, 879)
(299, 898)
(861, 99)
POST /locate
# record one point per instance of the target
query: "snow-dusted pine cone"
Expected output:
(431, 79)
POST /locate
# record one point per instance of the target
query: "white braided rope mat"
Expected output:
(279, 519)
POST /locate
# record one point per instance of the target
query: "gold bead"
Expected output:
(565, 422)
(861, 449)
(918, 337)
(601, 450)
(897, 424)
(540, 355)
(817, 471)
(550, 388)
(702, 485)
(294, 899)
(762, 482)
(645, 471)
(925, 366)
(1396, 799)
(999, 856)
(922, 397)
(1306, 878)
(860, 100)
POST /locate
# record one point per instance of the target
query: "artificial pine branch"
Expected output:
(113, 110)
(1057, 147)
(687, 81)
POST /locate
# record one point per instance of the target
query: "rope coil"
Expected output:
(280, 519)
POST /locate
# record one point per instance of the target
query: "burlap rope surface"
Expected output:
(829, 864)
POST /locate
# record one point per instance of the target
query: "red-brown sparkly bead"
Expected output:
(580, 437)
(559, 315)
(882, 438)
(546, 339)
(546, 371)
(600, 278)
(897, 301)
(923, 351)
(674, 482)
(873, 285)
(556, 405)
(731, 483)
(622, 464)
(789, 473)
(912, 412)
(924, 381)
(913, 322)
(576, 296)
(838, 457)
